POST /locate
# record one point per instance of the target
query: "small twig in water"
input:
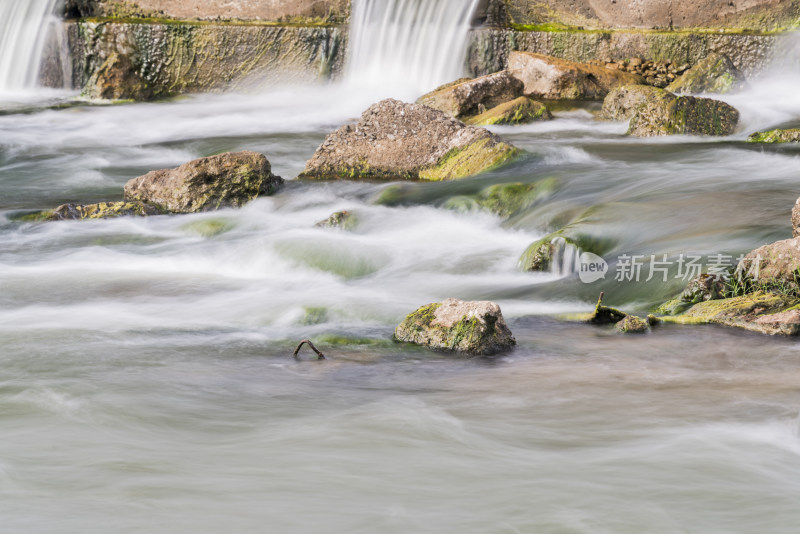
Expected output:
(310, 344)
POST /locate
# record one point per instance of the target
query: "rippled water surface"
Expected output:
(147, 382)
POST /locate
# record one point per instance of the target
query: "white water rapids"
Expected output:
(146, 377)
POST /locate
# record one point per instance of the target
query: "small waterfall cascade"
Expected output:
(417, 44)
(566, 257)
(24, 26)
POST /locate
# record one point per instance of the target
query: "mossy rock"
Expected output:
(790, 135)
(539, 256)
(475, 158)
(208, 227)
(343, 220)
(631, 324)
(314, 315)
(102, 210)
(714, 74)
(457, 326)
(504, 200)
(685, 115)
(522, 110)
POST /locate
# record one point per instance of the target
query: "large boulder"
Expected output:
(467, 97)
(399, 141)
(226, 180)
(789, 135)
(458, 326)
(558, 79)
(684, 115)
(522, 110)
(714, 74)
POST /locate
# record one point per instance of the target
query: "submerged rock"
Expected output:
(341, 219)
(556, 250)
(522, 110)
(102, 210)
(467, 97)
(458, 326)
(399, 141)
(504, 200)
(791, 135)
(558, 79)
(226, 180)
(714, 74)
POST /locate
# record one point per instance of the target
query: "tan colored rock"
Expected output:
(622, 102)
(399, 141)
(226, 180)
(102, 210)
(472, 96)
(552, 78)
(785, 323)
(774, 263)
(474, 327)
(117, 79)
(796, 219)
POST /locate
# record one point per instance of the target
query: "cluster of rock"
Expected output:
(762, 295)
(657, 73)
(227, 180)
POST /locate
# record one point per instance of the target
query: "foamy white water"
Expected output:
(402, 45)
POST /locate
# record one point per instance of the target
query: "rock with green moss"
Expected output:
(553, 78)
(504, 200)
(790, 135)
(631, 324)
(764, 312)
(552, 251)
(473, 96)
(226, 180)
(399, 141)
(522, 110)
(684, 115)
(704, 287)
(714, 74)
(102, 210)
(341, 219)
(454, 325)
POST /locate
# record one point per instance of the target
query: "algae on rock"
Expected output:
(458, 326)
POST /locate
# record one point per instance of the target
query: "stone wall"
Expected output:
(489, 47)
(755, 15)
(334, 11)
(171, 59)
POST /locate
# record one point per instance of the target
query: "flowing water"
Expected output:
(146, 377)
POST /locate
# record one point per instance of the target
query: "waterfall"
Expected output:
(566, 257)
(417, 44)
(23, 32)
